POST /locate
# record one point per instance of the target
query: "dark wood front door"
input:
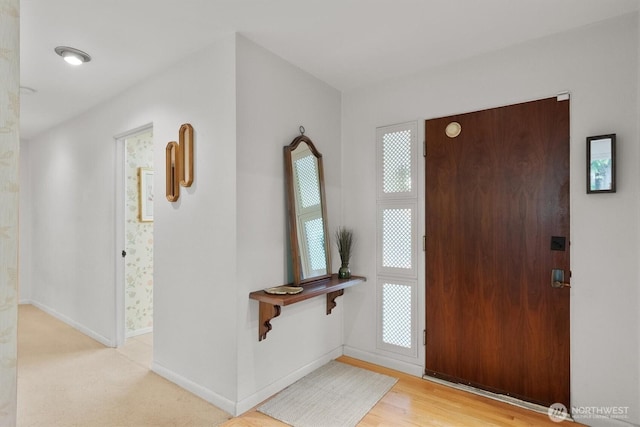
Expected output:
(496, 195)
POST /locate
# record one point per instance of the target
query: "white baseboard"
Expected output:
(90, 333)
(417, 371)
(387, 362)
(245, 404)
(131, 334)
(200, 391)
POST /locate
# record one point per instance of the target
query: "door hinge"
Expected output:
(424, 148)
(424, 337)
(124, 253)
(424, 243)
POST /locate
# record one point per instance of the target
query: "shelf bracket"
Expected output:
(266, 313)
(331, 299)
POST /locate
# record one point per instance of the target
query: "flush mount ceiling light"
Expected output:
(72, 55)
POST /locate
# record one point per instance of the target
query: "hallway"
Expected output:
(67, 379)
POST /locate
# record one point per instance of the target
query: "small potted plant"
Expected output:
(344, 241)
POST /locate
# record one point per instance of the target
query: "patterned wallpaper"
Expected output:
(138, 241)
(9, 152)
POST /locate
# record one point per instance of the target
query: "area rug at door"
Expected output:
(334, 395)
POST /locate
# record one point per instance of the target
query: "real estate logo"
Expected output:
(558, 412)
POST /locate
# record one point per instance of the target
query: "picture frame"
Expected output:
(601, 164)
(145, 194)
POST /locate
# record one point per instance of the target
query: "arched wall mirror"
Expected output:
(307, 211)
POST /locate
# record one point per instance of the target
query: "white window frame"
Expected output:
(380, 132)
(395, 271)
(401, 276)
(413, 284)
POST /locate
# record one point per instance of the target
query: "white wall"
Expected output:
(224, 238)
(195, 237)
(599, 66)
(273, 99)
(72, 221)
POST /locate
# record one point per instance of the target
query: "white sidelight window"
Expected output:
(397, 307)
(397, 241)
(397, 238)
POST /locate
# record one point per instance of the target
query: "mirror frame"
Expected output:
(592, 169)
(296, 260)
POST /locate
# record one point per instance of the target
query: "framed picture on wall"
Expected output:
(601, 164)
(145, 194)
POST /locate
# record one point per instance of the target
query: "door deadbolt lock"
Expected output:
(557, 279)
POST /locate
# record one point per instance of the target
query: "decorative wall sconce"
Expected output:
(185, 138)
(179, 162)
(173, 173)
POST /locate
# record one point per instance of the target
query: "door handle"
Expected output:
(557, 279)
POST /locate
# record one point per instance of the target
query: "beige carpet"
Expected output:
(67, 379)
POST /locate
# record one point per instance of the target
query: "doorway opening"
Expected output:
(134, 238)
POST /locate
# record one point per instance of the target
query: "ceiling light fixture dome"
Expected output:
(72, 55)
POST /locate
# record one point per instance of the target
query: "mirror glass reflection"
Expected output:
(307, 213)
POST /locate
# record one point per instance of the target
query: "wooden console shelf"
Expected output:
(270, 305)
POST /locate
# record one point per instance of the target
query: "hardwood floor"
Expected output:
(417, 402)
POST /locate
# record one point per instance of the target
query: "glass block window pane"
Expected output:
(308, 187)
(396, 238)
(396, 315)
(315, 243)
(396, 162)
(397, 252)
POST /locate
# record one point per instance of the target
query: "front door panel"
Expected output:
(496, 197)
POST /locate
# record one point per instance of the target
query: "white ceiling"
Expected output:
(347, 43)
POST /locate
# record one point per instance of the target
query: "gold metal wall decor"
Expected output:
(185, 136)
(179, 162)
(173, 173)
